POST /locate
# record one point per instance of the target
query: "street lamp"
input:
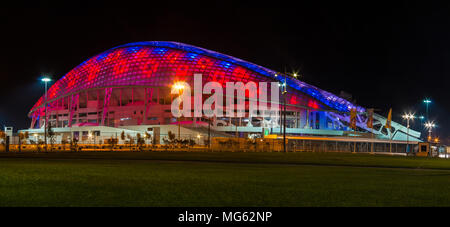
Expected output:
(198, 137)
(179, 87)
(427, 102)
(284, 114)
(407, 117)
(421, 119)
(429, 125)
(91, 136)
(45, 80)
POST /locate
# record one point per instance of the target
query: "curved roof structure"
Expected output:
(158, 63)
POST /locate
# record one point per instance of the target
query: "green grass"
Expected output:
(222, 179)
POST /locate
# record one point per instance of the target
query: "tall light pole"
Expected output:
(421, 118)
(284, 114)
(427, 102)
(429, 125)
(421, 121)
(45, 80)
(407, 117)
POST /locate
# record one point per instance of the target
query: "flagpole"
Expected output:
(371, 147)
(388, 126)
(370, 124)
(353, 125)
(390, 143)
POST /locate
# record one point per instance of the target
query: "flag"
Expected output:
(353, 118)
(388, 120)
(369, 118)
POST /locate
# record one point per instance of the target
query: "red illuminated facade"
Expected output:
(130, 85)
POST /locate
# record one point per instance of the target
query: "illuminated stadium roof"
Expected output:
(158, 64)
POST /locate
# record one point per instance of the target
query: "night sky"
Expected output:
(385, 55)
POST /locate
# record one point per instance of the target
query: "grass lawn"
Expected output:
(221, 179)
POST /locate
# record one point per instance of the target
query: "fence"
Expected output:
(222, 144)
(293, 145)
(65, 138)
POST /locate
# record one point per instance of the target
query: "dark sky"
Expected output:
(385, 55)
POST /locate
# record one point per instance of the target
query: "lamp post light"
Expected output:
(70, 142)
(91, 137)
(283, 109)
(145, 138)
(407, 117)
(284, 114)
(45, 80)
(427, 102)
(36, 137)
(429, 125)
(421, 118)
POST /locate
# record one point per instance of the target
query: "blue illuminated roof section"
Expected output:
(159, 63)
(327, 98)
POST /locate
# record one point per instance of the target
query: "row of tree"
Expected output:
(139, 140)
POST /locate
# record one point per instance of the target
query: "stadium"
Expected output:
(128, 89)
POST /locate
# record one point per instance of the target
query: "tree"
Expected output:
(51, 135)
(111, 142)
(130, 140)
(64, 142)
(122, 135)
(21, 138)
(166, 141)
(74, 144)
(206, 141)
(2, 136)
(26, 135)
(40, 142)
(147, 136)
(191, 142)
(139, 140)
(171, 136)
